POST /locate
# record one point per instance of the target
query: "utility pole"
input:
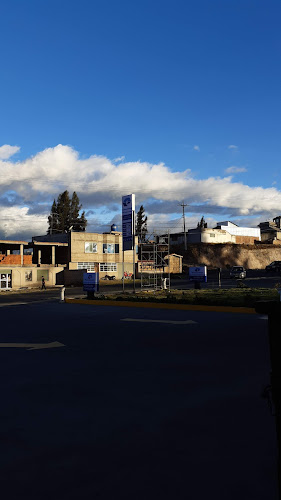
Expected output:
(183, 216)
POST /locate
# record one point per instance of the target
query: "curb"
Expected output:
(154, 305)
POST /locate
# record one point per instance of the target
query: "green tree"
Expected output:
(79, 222)
(202, 223)
(65, 214)
(53, 219)
(141, 224)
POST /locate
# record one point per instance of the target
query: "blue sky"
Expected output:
(192, 86)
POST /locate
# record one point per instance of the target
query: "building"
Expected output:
(101, 253)
(224, 232)
(17, 269)
(246, 235)
(207, 235)
(82, 251)
(173, 264)
(271, 231)
(63, 258)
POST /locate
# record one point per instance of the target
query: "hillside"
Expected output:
(227, 255)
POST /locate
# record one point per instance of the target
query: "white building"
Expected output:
(242, 234)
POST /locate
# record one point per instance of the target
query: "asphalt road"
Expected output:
(137, 404)
(254, 279)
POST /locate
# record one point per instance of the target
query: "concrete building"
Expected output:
(82, 251)
(100, 253)
(224, 232)
(17, 269)
(63, 258)
(271, 231)
(206, 235)
(246, 235)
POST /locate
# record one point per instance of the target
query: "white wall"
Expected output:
(254, 232)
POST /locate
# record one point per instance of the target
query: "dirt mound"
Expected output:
(227, 255)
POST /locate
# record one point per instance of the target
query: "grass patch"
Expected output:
(235, 297)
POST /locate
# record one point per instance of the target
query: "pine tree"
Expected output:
(53, 219)
(202, 223)
(79, 223)
(65, 214)
(141, 224)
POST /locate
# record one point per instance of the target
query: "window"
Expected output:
(91, 247)
(42, 273)
(108, 248)
(28, 275)
(90, 266)
(212, 235)
(108, 267)
(116, 247)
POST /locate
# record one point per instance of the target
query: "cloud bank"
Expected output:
(28, 187)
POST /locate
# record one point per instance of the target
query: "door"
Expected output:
(5, 281)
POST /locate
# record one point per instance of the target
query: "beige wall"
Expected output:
(19, 276)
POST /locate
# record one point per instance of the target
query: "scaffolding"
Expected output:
(155, 262)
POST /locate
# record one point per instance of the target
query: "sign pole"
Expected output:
(128, 229)
(134, 263)
(123, 278)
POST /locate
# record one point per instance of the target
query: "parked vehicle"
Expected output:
(237, 272)
(274, 266)
(107, 277)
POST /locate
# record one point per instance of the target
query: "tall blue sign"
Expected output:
(128, 213)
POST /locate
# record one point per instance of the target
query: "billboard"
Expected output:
(128, 214)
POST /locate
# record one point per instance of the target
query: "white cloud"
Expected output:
(6, 151)
(235, 170)
(16, 221)
(196, 148)
(233, 147)
(100, 183)
(117, 160)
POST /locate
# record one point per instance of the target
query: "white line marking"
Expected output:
(31, 347)
(263, 317)
(186, 322)
(7, 304)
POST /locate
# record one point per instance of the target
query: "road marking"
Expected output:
(263, 317)
(32, 347)
(13, 304)
(186, 322)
